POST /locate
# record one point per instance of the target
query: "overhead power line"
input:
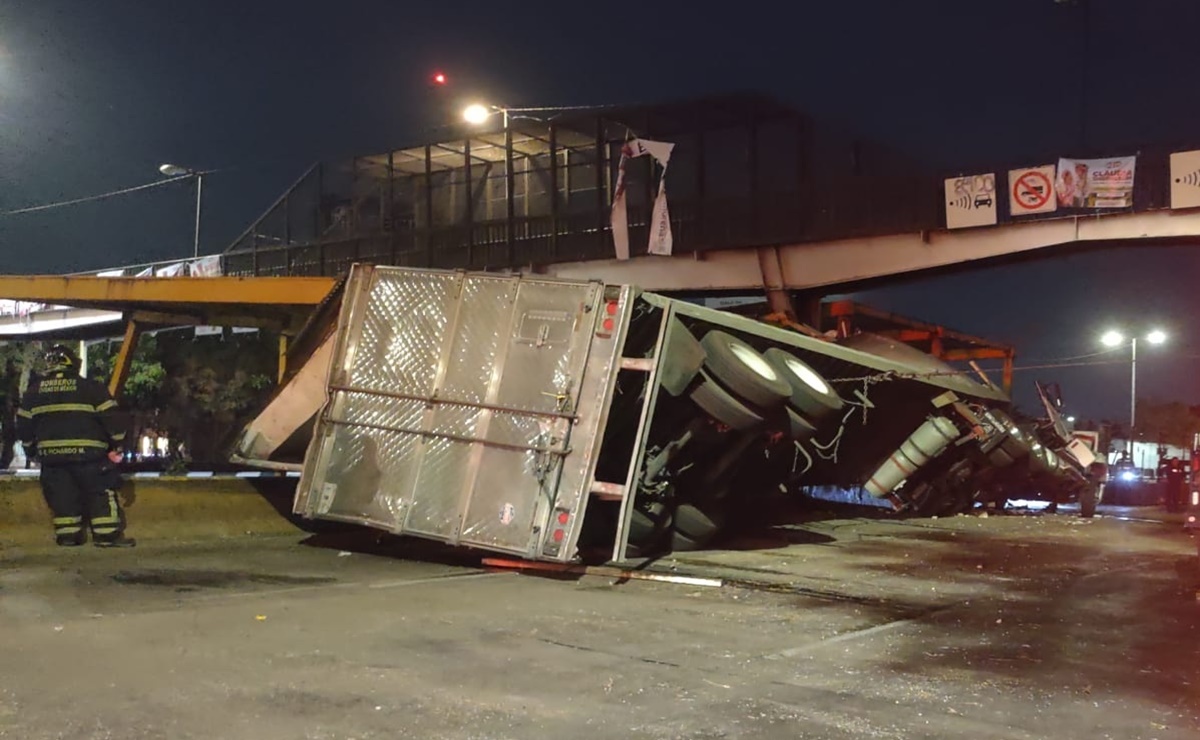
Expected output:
(91, 198)
(1105, 351)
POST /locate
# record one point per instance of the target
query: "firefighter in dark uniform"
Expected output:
(1175, 476)
(74, 428)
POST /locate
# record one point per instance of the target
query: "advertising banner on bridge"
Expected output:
(971, 201)
(1095, 183)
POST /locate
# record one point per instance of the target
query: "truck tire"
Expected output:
(722, 406)
(694, 524)
(1087, 502)
(682, 543)
(799, 427)
(812, 396)
(645, 525)
(741, 369)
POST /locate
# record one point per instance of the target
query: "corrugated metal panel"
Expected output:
(452, 404)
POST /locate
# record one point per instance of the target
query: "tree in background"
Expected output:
(143, 396)
(17, 360)
(192, 389)
(1172, 423)
(210, 384)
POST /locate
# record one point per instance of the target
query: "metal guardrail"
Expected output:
(130, 270)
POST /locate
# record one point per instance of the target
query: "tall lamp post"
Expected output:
(174, 170)
(1114, 338)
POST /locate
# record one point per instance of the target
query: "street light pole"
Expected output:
(199, 193)
(1114, 339)
(1132, 392)
(174, 170)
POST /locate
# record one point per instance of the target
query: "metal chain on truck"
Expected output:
(829, 450)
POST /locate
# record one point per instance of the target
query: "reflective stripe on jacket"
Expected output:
(67, 418)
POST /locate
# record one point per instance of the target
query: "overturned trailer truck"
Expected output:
(555, 419)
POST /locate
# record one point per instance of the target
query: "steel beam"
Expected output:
(509, 182)
(116, 384)
(158, 318)
(283, 354)
(982, 353)
(553, 191)
(216, 291)
(848, 261)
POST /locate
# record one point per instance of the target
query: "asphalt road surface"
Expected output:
(998, 627)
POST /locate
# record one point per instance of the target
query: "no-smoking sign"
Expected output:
(1031, 190)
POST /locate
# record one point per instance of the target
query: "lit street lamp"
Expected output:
(174, 170)
(478, 114)
(1113, 338)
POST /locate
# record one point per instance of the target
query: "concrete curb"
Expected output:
(164, 508)
(206, 474)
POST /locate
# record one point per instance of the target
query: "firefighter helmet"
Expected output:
(60, 357)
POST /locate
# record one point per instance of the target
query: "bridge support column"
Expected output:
(779, 299)
(808, 308)
(116, 384)
(1007, 373)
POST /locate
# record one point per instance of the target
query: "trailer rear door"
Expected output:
(452, 398)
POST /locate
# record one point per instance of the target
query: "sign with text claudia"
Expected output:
(1095, 183)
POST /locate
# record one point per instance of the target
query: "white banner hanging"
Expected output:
(206, 267)
(661, 239)
(619, 217)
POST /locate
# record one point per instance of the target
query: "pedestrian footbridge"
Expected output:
(78, 306)
(761, 198)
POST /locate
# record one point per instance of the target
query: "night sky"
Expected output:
(95, 95)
